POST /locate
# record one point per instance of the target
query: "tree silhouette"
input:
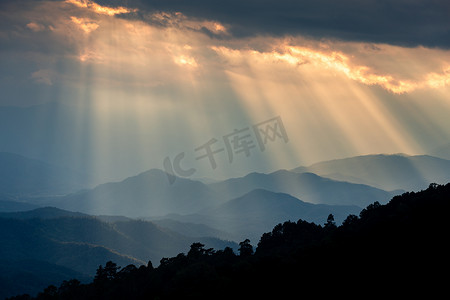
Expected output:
(107, 273)
(197, 250)
(366, 212)
(150, 265)
(68, 285)
(350, 220)
(50, 292)
(330, 224)
(245, 248)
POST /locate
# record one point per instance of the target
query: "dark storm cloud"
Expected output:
(399, 22)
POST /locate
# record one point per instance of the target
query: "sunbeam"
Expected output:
(150, 85)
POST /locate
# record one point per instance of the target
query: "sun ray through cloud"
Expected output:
(193, 78)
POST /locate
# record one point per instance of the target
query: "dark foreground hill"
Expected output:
(47, 245)
(400, 249)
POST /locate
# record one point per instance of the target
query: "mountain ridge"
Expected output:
(78, 244)
(385, 171)
(308, 186)
(401, 241)
(249, 215)
(146, 194)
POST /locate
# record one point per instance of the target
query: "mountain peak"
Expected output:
(266, 198)
(154, 172)
(162, 177)
(260, 192)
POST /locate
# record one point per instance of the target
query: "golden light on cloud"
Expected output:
(105, 10)
(214, 27)
(91, 56)
(85, 24)
(339, 63)
(36, 27)
(174, 38)
(435, 80)
(327, 90)
(184, 60)
(193, 76)
(219, 27)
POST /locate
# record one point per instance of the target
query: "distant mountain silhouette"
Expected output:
(135, 239)
(41, 213)
(191, 229)
(395, 249)
(21, 176)
(147, 194)
(308, 187)
(150, 194)
(353, 181)
(250, 215)
(387, 172)
(13, 206)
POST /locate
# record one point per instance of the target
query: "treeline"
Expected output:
(400, 248)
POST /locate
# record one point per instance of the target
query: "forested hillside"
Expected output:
(397, 248)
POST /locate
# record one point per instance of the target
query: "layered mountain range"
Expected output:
(51, 216)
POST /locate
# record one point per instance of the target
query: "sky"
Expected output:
(118, 87)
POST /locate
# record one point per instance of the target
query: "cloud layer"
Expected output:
(157, 50)
(166, 76)
(399, 22)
